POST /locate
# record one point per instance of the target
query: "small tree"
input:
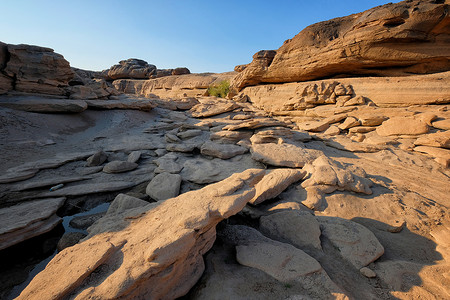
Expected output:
(220, 90)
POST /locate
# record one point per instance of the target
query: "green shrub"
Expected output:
(220, 90)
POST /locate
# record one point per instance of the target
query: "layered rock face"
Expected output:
(176, 86)
(33, 69)
(410, 37)
(39, 70)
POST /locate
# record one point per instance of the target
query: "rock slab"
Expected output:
(148, 258)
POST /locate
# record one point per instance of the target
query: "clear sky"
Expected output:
(203, 35)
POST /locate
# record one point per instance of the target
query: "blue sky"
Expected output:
(205, 36)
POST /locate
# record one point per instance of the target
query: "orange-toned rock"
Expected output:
(36, 69)
(389, 40)
(402, 126)
(158, 256)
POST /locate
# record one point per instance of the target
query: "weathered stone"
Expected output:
(372, 120)
(144, 105)
(83, 222)
(315, 126)
(358, 100)
(180, 71)
(118, 166)
(203, 171)
(38, 70)
(254, 124)
(275, 182)
(299, 228)
(189, 134)
(213, 107)
(96, 159)
(368, 272)
(43, 105)
(442, 124)
(223, 151)
(402, 126)
(281, 261)
(122, 202)
(441, 155)
(439, 139)
(151, 248)
(357, 44)
(167, 163)
(229, 137)
(23, 221)
(325, 171)
(69, 239)
(349, 123)
(283, 155)
(134, 156)
(361, 129)
(356, 243)
(164, 186)
(131, 68)
(332, 130)
(90, 188)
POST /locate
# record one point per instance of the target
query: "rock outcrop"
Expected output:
(39, 70)
(27, 220)
(176, 86)
(148, 258)
(410, 37)
(33, 69)
(381, 91)
(130, 69)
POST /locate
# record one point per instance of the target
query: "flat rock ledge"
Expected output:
(24, 221)
(147, 259)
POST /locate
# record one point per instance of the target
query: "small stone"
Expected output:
(442, 124)
(368, 272)
(172, 138)
(189, 134)
(372, 120)
(361, 129)
(223, 151)
(396, 228)
(275, 182)
(134, 156)
(358, 100)
(333, 130)
(96, 159)
(349, 123)
(315, 126)
(118, 166)
(160, 152)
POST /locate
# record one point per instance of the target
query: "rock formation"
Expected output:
(130, 69)
(327, 189)
(176, 86)
(33, 69)
(157, 261)
(409, 37)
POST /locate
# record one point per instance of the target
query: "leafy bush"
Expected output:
(220, 90)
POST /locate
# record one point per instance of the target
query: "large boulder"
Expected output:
(131, 68)
(389, 40)
(159, 255)
(34, 69)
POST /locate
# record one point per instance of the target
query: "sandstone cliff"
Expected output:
(410, 37)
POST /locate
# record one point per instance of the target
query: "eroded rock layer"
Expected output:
(410, 37)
